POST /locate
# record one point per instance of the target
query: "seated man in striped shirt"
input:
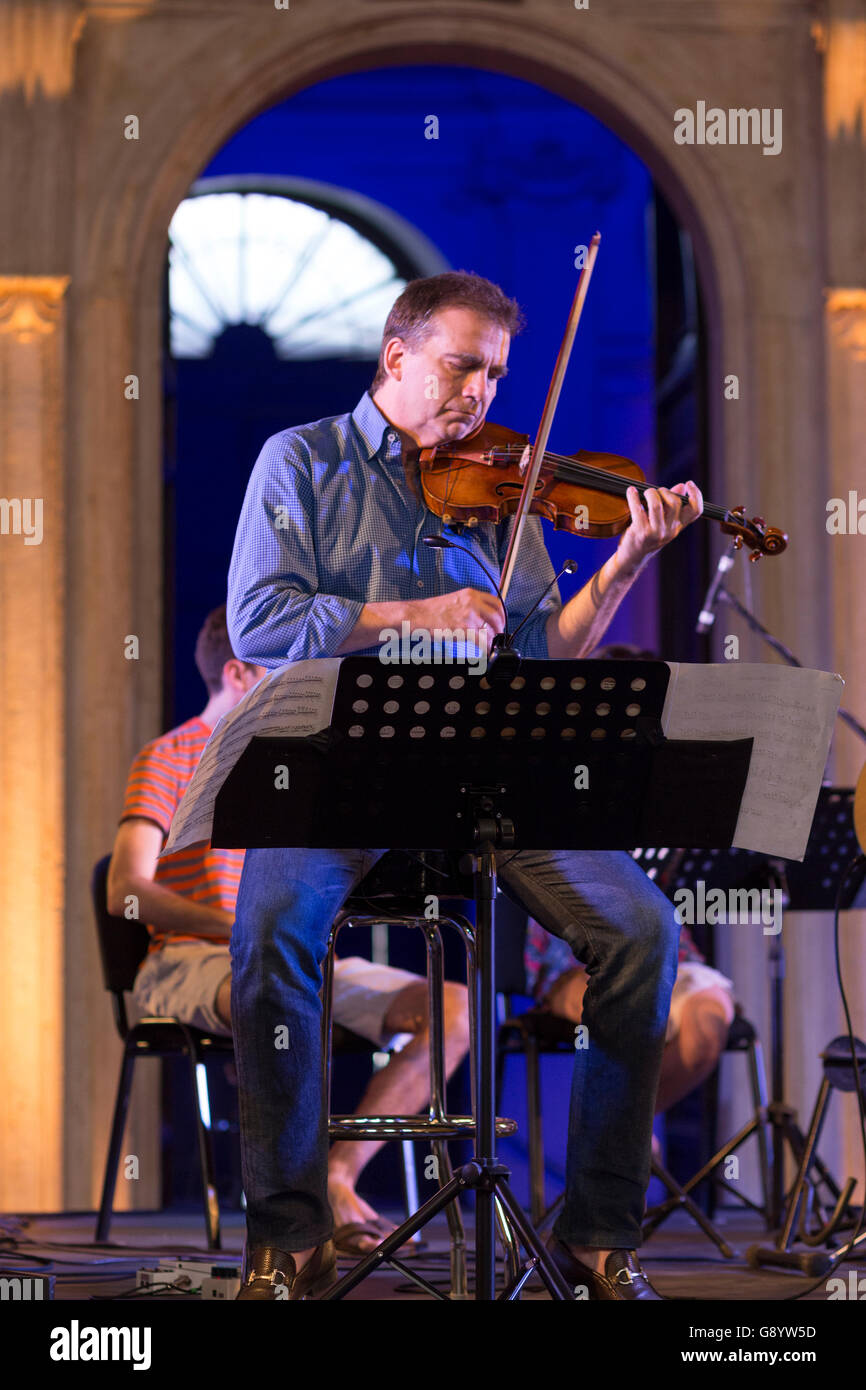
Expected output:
(701, 1010)
(188, 901)
(702, 1003)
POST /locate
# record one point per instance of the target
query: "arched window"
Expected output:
(313, 267)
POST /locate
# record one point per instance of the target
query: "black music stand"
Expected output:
(435, 757)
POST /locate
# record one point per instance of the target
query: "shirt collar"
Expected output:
(370, 424)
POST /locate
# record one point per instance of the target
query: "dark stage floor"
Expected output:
(682, 1263)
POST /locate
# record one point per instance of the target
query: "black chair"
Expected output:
(742, 1038)
(537, 1033)
(122, 947)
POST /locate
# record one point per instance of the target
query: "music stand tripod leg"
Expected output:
(492, 832)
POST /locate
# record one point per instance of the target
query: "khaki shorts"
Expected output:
(182, 982)
(691, 977)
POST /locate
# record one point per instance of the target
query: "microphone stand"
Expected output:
(784, 652)
(782, 1117)
(505, 658)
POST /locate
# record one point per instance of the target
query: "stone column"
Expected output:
(63, 761)
(841, 36)
(32, 738)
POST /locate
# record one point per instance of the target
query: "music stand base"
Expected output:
(489, 1181)
(811, 1262)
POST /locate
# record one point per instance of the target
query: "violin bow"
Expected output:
(553, 393)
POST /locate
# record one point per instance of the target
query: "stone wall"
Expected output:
(82, 245)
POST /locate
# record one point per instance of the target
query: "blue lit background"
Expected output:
(517, 179)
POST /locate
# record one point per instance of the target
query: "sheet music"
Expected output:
(295, 700)
(790, 712)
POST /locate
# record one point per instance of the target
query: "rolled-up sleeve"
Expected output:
(275, 612)
(532, 574)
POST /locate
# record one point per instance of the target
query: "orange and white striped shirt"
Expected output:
(158, 778)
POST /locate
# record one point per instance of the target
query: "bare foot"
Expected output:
(347, 1206)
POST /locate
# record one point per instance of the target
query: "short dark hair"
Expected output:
(412, 311)
(213, 649)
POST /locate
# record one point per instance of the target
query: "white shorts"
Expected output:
(692, 976)
(181, 981)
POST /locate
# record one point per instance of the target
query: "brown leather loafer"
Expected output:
(272, 1274)
(623, 1278)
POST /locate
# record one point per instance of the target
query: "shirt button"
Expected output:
(391, 437)
(420, 583)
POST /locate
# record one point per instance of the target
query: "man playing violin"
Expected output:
(328, 553)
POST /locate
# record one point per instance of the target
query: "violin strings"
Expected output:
(571, 470)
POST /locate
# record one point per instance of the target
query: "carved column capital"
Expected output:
(846, 317)
(30, 305)
(37, 45)
(818, 26)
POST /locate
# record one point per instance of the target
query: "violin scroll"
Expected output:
(754, 533)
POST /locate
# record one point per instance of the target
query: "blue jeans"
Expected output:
(618, 924)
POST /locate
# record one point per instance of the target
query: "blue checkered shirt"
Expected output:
(329, 523)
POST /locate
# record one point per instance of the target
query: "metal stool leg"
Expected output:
(534, 1127)
(509, 1241)
(436, 1127)
(118, 1127)
(456, 1227)
(201, 1100)
(758, 1077)
(436, 1017)
(410, 1177)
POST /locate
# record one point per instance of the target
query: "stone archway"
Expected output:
(191, 86)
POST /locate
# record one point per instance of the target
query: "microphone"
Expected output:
(503, 641)
(505, 661)
(568, 568)
(707, 616)
(443, 543)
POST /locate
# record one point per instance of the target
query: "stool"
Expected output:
(436, 1126)
(838, 1075)
(538, 1032)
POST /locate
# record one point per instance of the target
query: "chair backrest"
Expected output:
(122, 944)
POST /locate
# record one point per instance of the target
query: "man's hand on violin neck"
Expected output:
(579, 627)
(657, 520)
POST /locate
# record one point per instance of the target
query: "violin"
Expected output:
(481, 478)
(495, 472)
